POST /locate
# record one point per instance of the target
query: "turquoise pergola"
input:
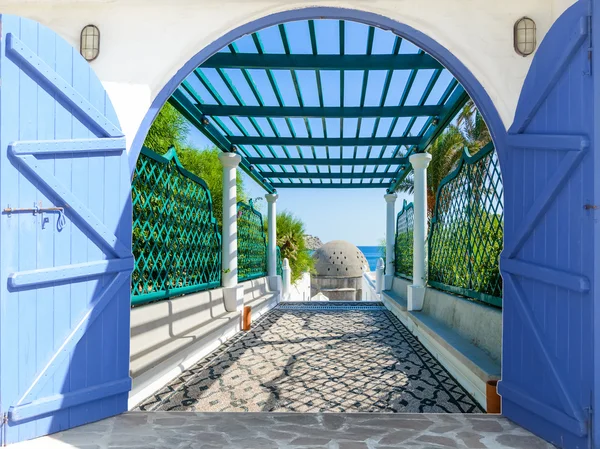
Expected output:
(289, 116)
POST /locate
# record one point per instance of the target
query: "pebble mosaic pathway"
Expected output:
(318, 358)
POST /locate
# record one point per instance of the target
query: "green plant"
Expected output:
(470, 131)
(290, 239)
(475, 131)
(168, 129)
(466, 234)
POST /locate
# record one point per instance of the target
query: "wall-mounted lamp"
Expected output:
(89, 43)
(524, 36)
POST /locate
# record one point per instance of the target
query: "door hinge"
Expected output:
(3, 427)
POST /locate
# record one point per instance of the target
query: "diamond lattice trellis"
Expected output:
(279, 262)
(404, 242)
(466, 234)
(176, 241)
(252, 243)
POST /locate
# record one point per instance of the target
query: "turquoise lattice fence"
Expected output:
(252, 243)
(176, 241)
(404, 241)
(279, 262)
(466, 233)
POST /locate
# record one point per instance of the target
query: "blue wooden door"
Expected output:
(65, 247)
(548, 258)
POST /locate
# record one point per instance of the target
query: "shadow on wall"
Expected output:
(162, 329)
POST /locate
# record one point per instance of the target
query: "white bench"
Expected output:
(465, 336)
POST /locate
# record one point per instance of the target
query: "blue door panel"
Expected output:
(64, 316)
(547, 372)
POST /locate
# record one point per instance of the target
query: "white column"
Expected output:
(416, 291)
(390, 238)
(379, 276)
(287, 280)
(234, 296)
(272, 237)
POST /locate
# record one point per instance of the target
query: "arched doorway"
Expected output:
(549, 313)
(546, 403)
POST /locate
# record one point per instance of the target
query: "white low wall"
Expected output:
(301, 289)
(369, 291)
(170, 336)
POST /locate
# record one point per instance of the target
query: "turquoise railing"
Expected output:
(176, 241)
(466, 233)
(252, 243)
(279, 262)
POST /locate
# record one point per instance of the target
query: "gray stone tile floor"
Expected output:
(191, 430)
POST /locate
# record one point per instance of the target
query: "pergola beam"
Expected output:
(348, 175)
(191, 113)
(337, 185)
(321, 62)
(324, 141)
(325, 161)
(319, 112)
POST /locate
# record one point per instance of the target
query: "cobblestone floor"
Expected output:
(318, 358)
(188, 430)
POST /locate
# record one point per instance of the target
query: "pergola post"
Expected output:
(272, 237)
(233, 294)
(274, 279)
(390, 239)
(416, 291)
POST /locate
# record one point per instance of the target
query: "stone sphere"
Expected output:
(339, 258)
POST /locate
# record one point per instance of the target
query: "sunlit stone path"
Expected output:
(318, 357)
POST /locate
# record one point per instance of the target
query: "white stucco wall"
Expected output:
(145, 42)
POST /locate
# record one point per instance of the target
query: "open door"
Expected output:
(548, 258)
(65, 247)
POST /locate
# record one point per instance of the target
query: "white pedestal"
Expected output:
(275, 283)
(415, 297)
(388, 281)
(233, 298)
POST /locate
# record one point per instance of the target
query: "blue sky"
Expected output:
(357, 215)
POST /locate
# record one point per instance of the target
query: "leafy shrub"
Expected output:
(290, 239)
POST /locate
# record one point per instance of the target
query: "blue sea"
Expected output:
(372, 253)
